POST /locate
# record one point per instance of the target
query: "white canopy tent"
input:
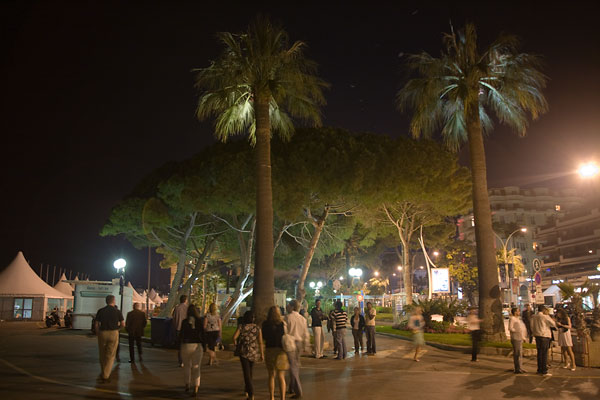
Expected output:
(24, 295)
(63, 286)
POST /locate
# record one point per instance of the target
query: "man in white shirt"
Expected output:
(297, 328)
(370, 314)
(540, 328)
(518, 333)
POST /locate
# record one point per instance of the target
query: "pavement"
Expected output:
(40, 363)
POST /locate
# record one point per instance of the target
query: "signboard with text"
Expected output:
(440, 280)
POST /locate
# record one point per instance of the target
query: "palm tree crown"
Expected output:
(499, 79)
(259, 62)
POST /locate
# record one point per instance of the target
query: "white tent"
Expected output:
(63, 286)
(155, 297)
(24, 295)
(151, 304)
(136, 296)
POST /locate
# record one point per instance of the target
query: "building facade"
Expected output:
(569, 247)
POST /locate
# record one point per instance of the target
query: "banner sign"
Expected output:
(440, 280)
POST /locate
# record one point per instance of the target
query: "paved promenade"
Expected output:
(37, 363)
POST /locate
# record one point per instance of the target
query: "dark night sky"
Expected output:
(97, 94)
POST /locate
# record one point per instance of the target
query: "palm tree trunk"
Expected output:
(264, 283)
(490, 306)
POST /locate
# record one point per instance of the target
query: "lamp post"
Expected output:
(120, 267)
(505, 253)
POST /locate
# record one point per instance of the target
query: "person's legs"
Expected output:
(571, 355)
(178, 344)
(138, 339)
(371, 348)
(539, 348)
(475, 345)
(417, 348)
(360, 340)
(111, 343)
(356, 342)
(343, 343)
(185, 352)
(196, 359)
(318, 336)
(517, 354)
(101, 351)
(281, 379)
(545, 345)
(294, 385)
(271, 384)
(131, 348)
(247, 371)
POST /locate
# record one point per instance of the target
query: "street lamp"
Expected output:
(505, 252)
(588, 170)
(119, 265)
(376, 273)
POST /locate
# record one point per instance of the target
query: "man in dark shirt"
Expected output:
(136, 321)
(108, 322)
(317, 317)
(526, 317)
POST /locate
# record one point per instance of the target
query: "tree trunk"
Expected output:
(174, 292)
(490, 306)
(319, 224)
(264, 280)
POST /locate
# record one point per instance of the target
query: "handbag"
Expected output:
(238, 349)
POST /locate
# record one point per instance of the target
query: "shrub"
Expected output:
(385, 310)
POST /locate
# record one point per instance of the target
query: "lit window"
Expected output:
(557, 207)
(472, 221)
(22, 308)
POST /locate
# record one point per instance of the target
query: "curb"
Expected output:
(494, 351)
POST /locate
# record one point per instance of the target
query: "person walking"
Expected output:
(275, 358)
(416, 324)
(296, 327)
(540, 328)
(565, 340)
(107, 324)
(357, 322)
(135, 324)
(249, 347)
(474, 326)
(317, 317)
(192, 348)
(518, 333)
(527, 314)
(370, 314)
(180, 313)
(212, 330)
(340, 319)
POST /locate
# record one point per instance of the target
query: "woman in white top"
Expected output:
(212, 332)
(518, 333)
(563, 323)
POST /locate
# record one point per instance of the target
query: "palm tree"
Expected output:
(256, 86)
(455, 92)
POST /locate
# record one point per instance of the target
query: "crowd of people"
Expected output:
(280, 340)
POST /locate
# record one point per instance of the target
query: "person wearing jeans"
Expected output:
(540, 328)
(518, 333)
(248, 339)
(357, 322)
(317, 317)
(191, 348)
(339, 328)
(370, 314)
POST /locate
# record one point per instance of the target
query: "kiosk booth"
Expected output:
(90, 296)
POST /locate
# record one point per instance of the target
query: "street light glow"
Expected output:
(376, 273)
(523, 230)
(355, 272)
(588, 170)
(399, 267)
(319, 285)
(312, 285)
(120, 263)
(436, 253)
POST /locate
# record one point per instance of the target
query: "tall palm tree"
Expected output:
(257, 85)
(455, 92)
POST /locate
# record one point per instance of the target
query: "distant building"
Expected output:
(569, 247)
(528, 208)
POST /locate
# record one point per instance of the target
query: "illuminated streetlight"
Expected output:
(399, 267)
(341, 278)
(312, 285)
(588, 170)
(376, 273)
(355, 272)
(319, 285)
(436, 253)
(119, 264)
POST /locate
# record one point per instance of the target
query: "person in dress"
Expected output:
(563, 323)
(275, 358)
(191, 348)
(416, 324)
(249, 343)
(212, 331)
(518, 333)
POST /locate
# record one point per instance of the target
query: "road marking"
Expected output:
(48, 380)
